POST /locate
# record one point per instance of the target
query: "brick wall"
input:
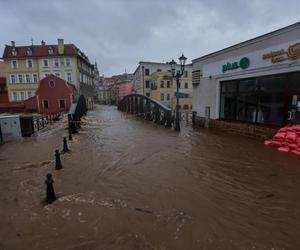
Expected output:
(246, 129)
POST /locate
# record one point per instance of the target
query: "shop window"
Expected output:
(228, 106)
(271, 108)
(246, 107)
(295, 82)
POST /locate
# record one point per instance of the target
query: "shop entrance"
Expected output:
(293, 107)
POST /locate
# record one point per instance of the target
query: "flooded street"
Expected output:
(130, 184)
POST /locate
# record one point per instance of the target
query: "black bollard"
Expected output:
(50, 194)
(57, 160)
(70, 135)
(65, 148)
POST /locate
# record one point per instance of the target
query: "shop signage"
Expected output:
(293, 52)
(243, 64)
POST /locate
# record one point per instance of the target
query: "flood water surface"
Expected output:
(130, 184)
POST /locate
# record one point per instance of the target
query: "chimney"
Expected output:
(61, 46)
(43, 42)
(13, 44)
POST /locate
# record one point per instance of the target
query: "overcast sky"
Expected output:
(120, 33)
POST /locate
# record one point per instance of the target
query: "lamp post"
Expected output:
(177, 75)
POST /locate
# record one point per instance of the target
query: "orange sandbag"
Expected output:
(296, 152)
(291, 136)
(282, 129)
(283, 149)
(298, 141)
(279, 136)
(275, 143)
(297, 127)
(293, 146)
(267, 142)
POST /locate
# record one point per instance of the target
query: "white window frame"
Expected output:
(68, 62)
(69, 76)
(33, 78)
(11, 79)
(29, 94)
(13, 95)
(56, 60)
(29, 60)
(27, 78)
(12, 64)
(22, 78)
(45, 60)
(24, 96)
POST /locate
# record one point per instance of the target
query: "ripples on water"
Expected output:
(141, 186)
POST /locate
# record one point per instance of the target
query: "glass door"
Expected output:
(293, 109)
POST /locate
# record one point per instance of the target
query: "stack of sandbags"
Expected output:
(287, 139)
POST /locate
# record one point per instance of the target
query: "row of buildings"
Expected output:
(25, 66)
(252, 87)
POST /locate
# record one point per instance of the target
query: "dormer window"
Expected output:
(50, 50)
(29, 51)
(14, 51)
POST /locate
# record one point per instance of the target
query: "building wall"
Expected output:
(124, 88)
(207, 93)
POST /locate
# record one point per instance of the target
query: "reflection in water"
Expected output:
(129, 184)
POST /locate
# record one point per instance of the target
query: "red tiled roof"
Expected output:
(39, 50)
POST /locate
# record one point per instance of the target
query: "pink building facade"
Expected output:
(124, 88)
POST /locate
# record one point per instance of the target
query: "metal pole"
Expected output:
(177, 125)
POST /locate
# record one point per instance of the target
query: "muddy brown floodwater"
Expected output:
(129, 184)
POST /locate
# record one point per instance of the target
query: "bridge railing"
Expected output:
(147, 108)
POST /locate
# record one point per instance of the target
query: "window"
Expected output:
(69, 76)
(14, 96)
(45, 62)
(29, 94)
(14, 51)
(56, 63)
(168, 97)
(168, 84)
(158, 70)
(51, 84)
(185, 74)
(20, 77)
(14, 64)
(162, 84)
(12, 79)
(50, 50)
(147, 84)
(162, 96)
(186, 85)
(35, 78)
(62, 104)
(27, 78)
(68, 62)
(62, 62)
(148, 94)
(45, 104)
(147, 72)
(29, 64)
(29, 51)
(22, 94)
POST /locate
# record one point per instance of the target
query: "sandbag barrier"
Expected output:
(287, 139)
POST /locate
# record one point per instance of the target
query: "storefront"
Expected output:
(254, 82)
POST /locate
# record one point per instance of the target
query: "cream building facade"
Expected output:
(155, 81)
(25, 66)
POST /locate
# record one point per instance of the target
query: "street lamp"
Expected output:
(177, 75)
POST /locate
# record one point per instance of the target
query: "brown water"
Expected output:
(129, 184)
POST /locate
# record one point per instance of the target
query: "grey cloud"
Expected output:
(119, 33)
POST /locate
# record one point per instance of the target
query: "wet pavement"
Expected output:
(130, 184)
